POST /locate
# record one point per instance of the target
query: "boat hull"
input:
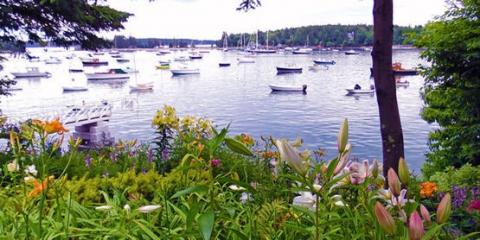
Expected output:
(185, 72)
(360, 91)
(75, 89)
(102, 63)
(407, 72)
(224, 64)
(319, 62)
(106, 76)
(278, 88)
(31, 75)
(282, 70)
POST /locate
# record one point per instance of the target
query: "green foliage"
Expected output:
(324, 35)
(452, 86)
(64, 22)
(467, 175)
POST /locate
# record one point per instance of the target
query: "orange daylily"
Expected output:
(39, 187)
(54, 126)
(427, 189)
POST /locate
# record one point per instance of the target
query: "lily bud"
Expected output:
(342, 137)
(415, 227)
(375, 169)
(444, 209)
(393, 182)
(290, 155)
(403, 171)
(344, 157)
(385, 219)
(425, 214)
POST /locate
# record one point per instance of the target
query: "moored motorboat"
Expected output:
(324, 62)
(74, 88)
(360, 91)
(303, 51)
(289, 88)
(246, 60)
(224, 64)
(129, 69)
(112, 74)
(142, 86)
(195, 56)
(93, 62)
(263, 51)
(123, 60)
(181, 59)
(351, 52)
(53, 60)
(289, 69)
(184, 70)
(32, 72)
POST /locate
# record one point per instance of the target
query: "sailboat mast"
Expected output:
(256, 41)
(267, 39)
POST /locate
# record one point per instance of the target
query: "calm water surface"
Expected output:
(240, 95)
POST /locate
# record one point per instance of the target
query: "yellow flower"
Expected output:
(54, 126)
(13, 166)
(427, 189)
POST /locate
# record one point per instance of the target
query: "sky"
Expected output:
(207, 19)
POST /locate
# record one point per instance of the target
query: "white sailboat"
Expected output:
(140, 86)
(305, 49)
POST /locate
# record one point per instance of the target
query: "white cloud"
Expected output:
(206, 19)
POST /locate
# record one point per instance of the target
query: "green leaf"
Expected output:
(197, 189)
(238, 147)
(205, 222)
(147, 231)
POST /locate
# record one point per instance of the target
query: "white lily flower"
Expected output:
(28, 179)
(32, 170)
(337, 200)
(291, 156)
(236, 188)
(148, 208)
(317, 187)
(126, 207)
(103, 208)
(306, 199)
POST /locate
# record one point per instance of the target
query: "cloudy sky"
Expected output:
(207, 19)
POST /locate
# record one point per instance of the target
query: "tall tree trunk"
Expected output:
(390, 125)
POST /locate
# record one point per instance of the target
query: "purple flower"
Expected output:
(165, 154)
(215, 162)
(150, 155)
(475, 192)
(132, 153)
(88, 161)
(459, 196)
(113, 157)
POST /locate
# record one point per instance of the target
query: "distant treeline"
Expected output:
(131, 42)
(321, 36)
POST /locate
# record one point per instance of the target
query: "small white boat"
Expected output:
(129, 69)
(289, 88)
(289, 69)
(74, 88)
(142, 86)
(360, 91)
(246, 60)
(181, 59)
(164, 62)
(32, 72)
(402, 83)
(195, 56)
(183, 70)
(162, 52)
(93, 62)
(288, 49)
(53, 60)
(112, 74)
(303, 51)
(14, 88)
(351, 52)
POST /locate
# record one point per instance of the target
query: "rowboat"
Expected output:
(289, 69)
(289, 88)
(112, 74)
(195, 56)
(32, 72)
(323, 62)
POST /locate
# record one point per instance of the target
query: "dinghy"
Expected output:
(53, 60)
(74, 88)
(323, 62)
(351, 52)
(289, 69)
(93, 62)
(224, 64)
(289, 88)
